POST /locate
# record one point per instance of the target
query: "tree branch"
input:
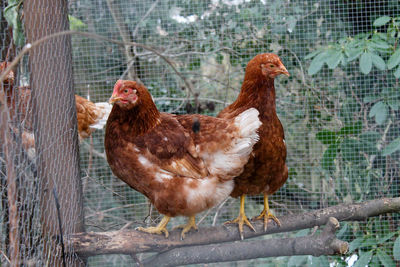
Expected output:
(316, 245)
(126, 37)
(29, 46)
(130, 241)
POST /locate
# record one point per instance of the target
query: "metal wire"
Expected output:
(335, 142)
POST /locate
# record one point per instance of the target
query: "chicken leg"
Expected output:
(266, 214)
(242, 218)
(159, 229)
(186, 227)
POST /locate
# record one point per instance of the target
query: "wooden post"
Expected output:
(55, 126)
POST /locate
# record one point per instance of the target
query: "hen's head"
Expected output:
(128, 94)
(265, 66)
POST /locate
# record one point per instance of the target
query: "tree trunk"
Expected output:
(55, 126)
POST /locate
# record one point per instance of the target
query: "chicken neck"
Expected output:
(143, 116)
(259, 94)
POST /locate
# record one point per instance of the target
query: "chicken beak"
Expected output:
(283, 70)
(114, 98)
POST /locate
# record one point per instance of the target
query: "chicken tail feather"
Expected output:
(248, 122)
(104, 110)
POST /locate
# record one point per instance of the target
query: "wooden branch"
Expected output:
(130, 241)
(126, 37)
(316, 245)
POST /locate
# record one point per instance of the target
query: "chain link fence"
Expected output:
(339, 109)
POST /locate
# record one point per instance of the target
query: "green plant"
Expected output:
(371, 49)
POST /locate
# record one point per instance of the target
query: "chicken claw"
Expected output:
(186, 227)
(241, 219)
(159, 229)
(267, 215)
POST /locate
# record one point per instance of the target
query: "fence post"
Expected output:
(55, 128)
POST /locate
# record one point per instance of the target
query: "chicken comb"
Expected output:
(118, 85)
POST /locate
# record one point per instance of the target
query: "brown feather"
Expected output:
(18, 100)
(159, 154)
(266, 170)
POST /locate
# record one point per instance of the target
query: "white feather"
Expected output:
(236, 156)
(104, 109)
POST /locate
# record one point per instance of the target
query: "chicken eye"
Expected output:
(126, 91)
(272, 66)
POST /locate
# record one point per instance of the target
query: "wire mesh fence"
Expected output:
(339, 108)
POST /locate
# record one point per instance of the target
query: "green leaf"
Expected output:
(351, 129)
(369, 148)
(392, 32)
(353, 53)
(381, 21)
(355, 244)
(393, 104)
(397, 73)
(369, 241)
(343, 230)
(75, 23)
(370, 136)
(328, 159)
(11, 14)
(324, 261)
(377, 42)
(296, 261)
(312, 54)
(380, 111)
(317, 63)
(385, 259)
(375, 262)
(396, 249)
(394, 60)
(334, 59)
(368, 142)
(378, 61)
(364, 259)
(326, 137)
(386, 237)
(313, 262)
(366, 63)
(350, 151)
(392, 147)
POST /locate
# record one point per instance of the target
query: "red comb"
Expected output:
(118, 85)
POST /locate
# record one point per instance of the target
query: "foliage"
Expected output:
(369, 48)
(339, 108)
(364, 146)
(12, 15)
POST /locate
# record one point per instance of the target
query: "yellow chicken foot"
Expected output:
(267, 215)
(242, 218)
(186, 227)
(159, 229)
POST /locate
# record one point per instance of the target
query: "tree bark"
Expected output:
(316, 245)
(131, 242)
(55, 125)
(11, 191)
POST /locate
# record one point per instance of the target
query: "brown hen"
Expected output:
(90, 115)
(184, 164)
(266, 170)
